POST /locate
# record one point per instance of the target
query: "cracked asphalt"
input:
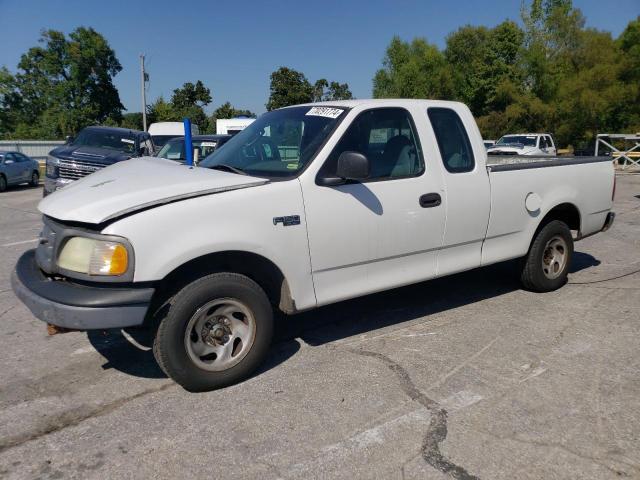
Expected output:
(463, 377)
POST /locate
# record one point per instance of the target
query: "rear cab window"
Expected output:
(453, 141)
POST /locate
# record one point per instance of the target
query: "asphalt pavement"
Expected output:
(463, 377)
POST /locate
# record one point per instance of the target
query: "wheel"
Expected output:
(547, 264)
(35, 179)
(3, 183)
(216, 332)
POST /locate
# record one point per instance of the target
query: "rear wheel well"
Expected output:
(565, 212)
(258, 268)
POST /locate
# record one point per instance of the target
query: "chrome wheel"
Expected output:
(220, 334)
(555, 256)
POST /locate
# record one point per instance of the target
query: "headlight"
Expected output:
(94, 257)
(52, 166)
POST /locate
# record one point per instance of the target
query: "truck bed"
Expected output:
(500, 163)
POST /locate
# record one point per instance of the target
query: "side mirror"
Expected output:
(351, 166)
(68, 140)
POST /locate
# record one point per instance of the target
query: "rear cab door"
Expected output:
(462, 157)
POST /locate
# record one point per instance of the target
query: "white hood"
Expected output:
(134, 185)
(512, 149)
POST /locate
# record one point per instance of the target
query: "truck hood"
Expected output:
(103, 156)
(511, 149)
(137, 184)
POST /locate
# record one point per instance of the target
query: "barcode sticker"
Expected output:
(325, 112)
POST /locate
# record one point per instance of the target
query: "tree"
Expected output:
(551, 75)
(413, 70)
(480, 59)
(132, 121)
(8, 102)
(65, 84)
(323, 91)
(288, 87)
(189, 102)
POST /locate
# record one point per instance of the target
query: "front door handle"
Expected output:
(429, 200)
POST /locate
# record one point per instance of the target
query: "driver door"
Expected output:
(376, 234)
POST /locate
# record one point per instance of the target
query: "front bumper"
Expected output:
(75, 306)
(53, 184)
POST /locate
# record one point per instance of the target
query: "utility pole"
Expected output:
(143, 79)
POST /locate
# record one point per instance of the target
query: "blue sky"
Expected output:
(233, 46)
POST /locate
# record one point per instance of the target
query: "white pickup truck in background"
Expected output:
(527, 144)
(380, 194)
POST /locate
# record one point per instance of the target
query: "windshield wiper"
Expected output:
(228, 168)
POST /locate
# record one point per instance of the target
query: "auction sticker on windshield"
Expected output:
(325, 112)
(127, 140)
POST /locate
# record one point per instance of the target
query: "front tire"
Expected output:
(216, 333)
(3, 183)
(546, 266)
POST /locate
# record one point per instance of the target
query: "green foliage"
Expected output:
(61, 86)
(413, 70)
(290, 87)
(552, 75)
(132, 121)
(323, 91)
(186, 102)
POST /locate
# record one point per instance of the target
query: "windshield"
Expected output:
(526, 140)
(174, 149)
(112, 140)
(161, 140)
(279, 144)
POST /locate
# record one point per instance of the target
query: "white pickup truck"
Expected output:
(379, 194)
(527, 144)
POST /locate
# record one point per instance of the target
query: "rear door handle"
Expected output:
(429, 200)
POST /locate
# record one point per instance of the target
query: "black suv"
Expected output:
(94, 148)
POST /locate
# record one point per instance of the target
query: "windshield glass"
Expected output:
(113, 140)
(278, 144)
(526, 140)
(174, 149)
(161, 140)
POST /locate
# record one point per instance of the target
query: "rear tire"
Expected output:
(35, 179)
(3, 183)
(546, 266)
(217, 331)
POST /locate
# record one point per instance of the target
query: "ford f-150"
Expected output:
(372, 195)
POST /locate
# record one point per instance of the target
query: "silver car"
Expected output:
(17, 168)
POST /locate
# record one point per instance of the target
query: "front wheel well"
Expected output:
(258, 268)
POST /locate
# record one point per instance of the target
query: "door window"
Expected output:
(452, 139)
(549, 141)
(387, 137)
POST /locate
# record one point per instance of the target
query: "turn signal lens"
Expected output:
(109, 258)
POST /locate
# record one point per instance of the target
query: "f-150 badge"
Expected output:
(287, 221)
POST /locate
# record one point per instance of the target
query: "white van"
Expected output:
(162, 132)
